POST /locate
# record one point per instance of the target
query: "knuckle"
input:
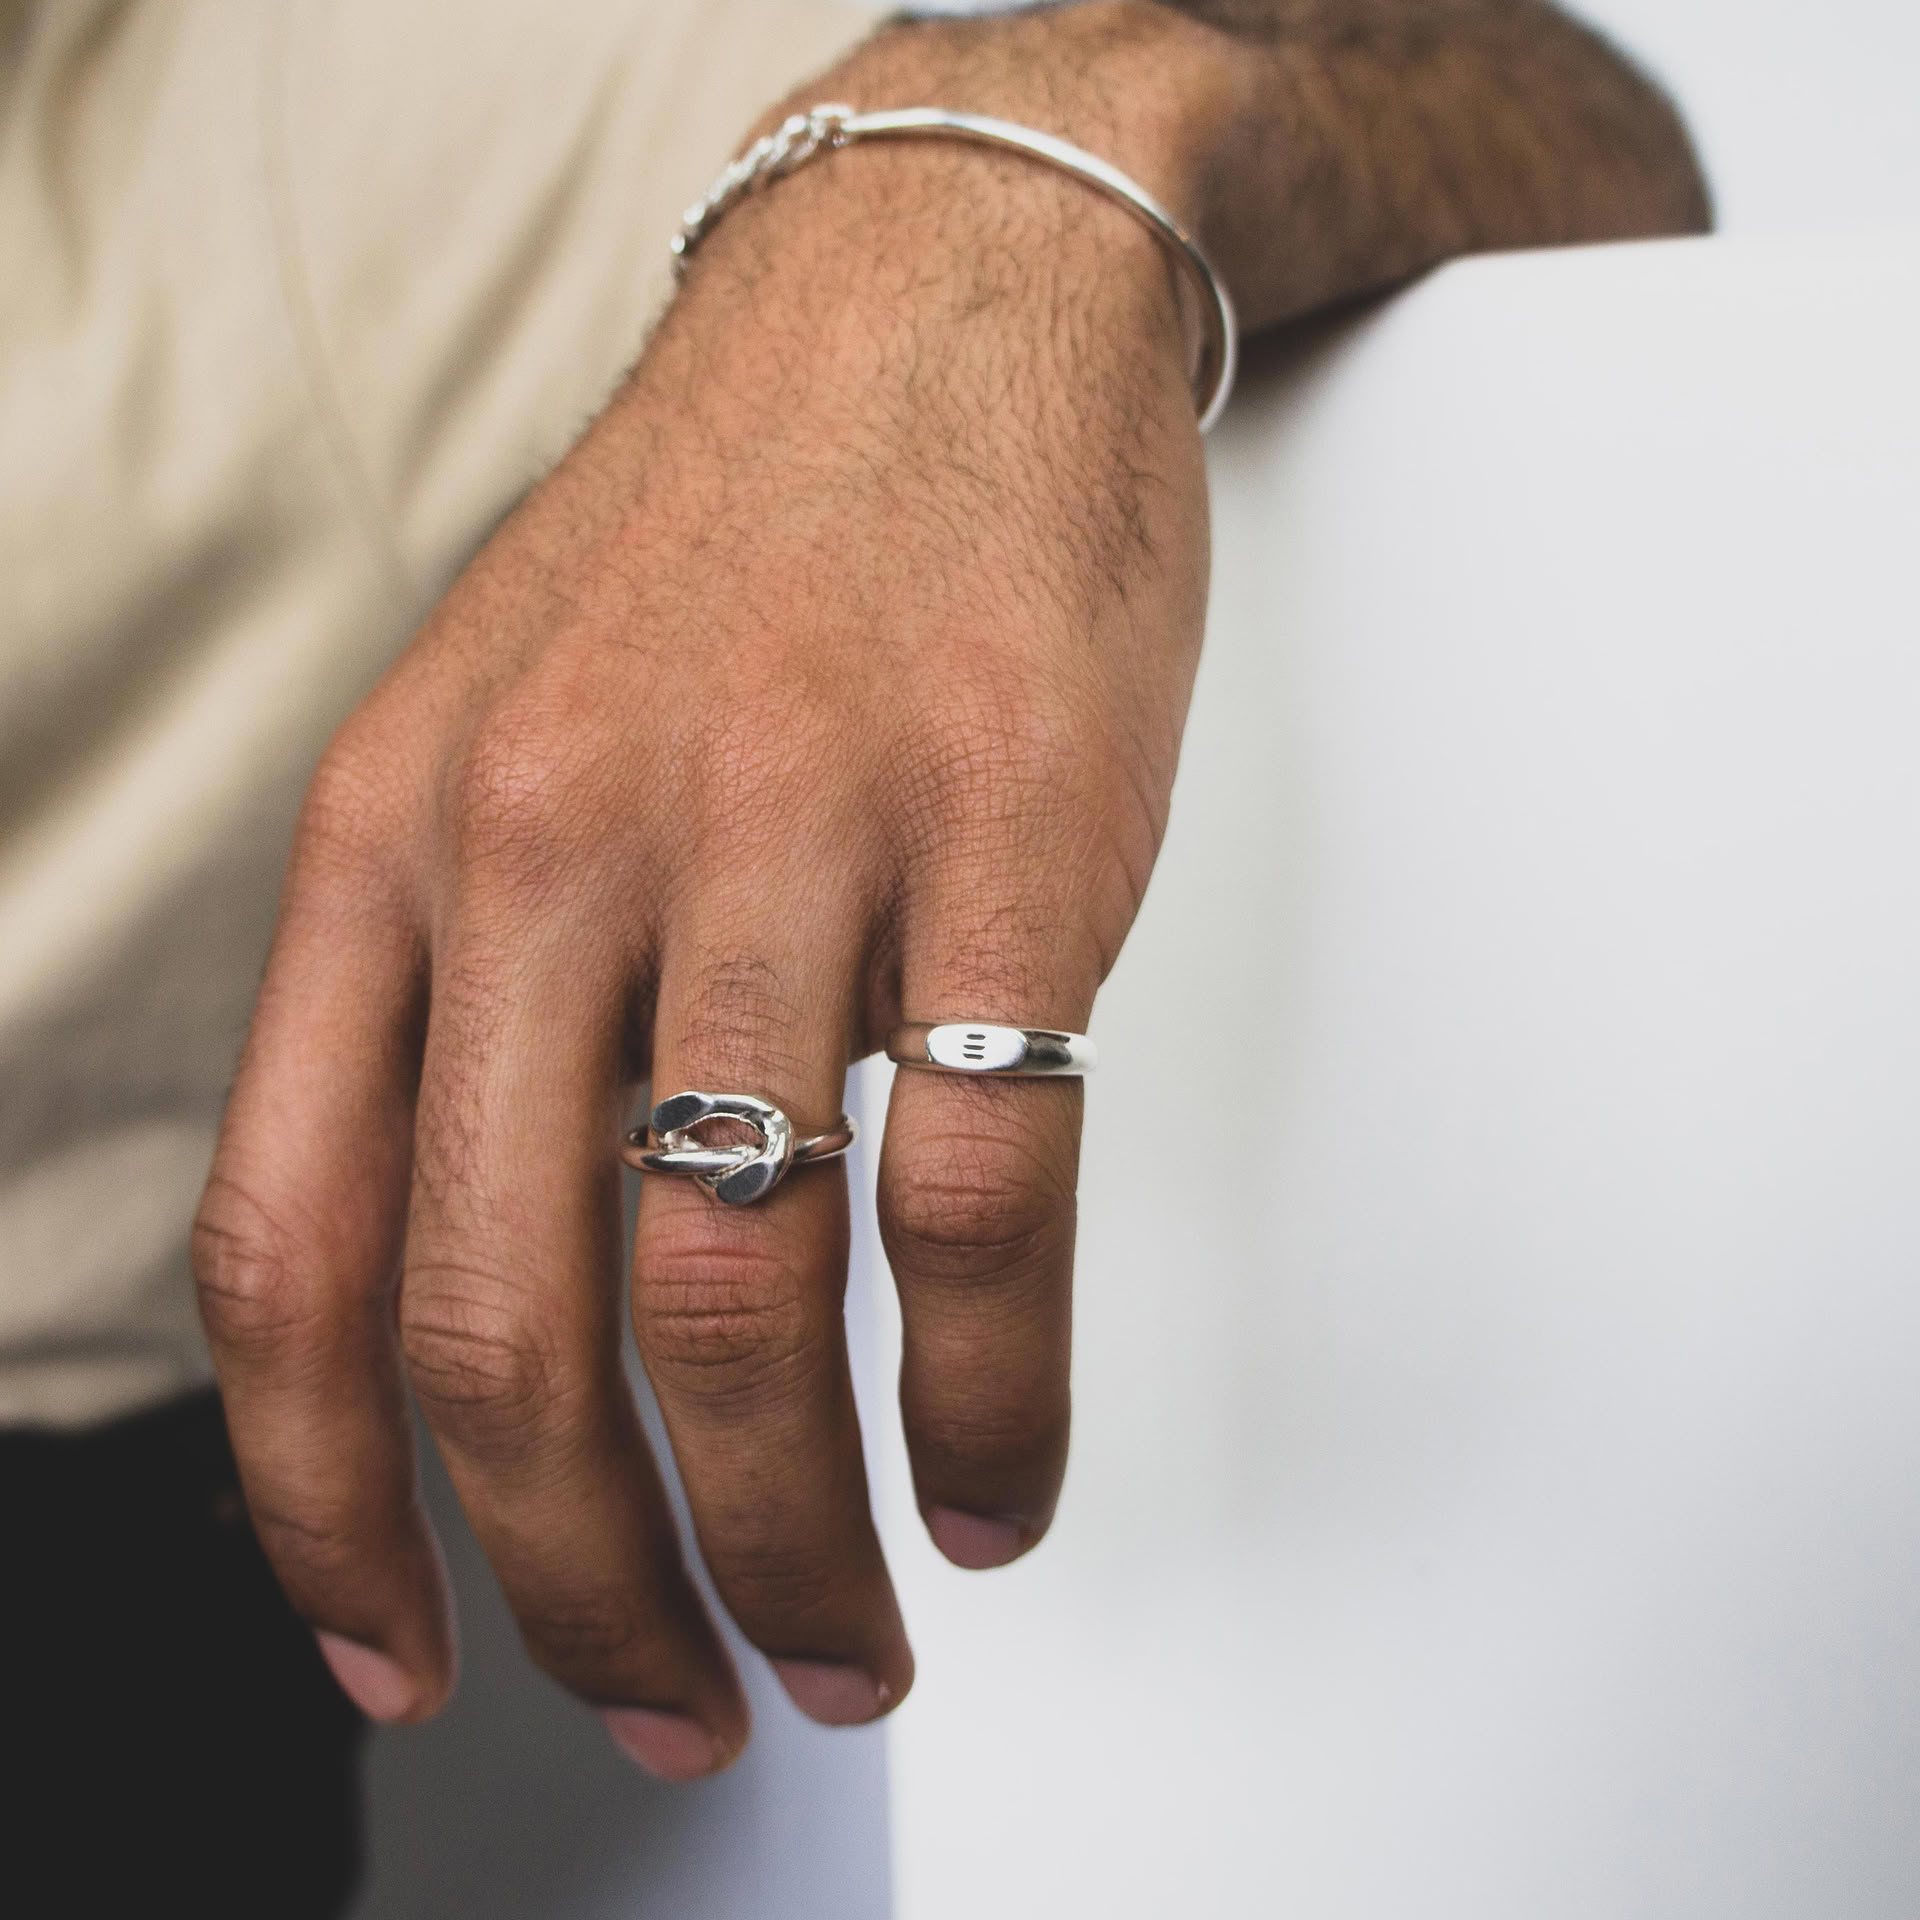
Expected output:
(1005, 754)
(353, 815)
(517, 804)
(983, 1439)
(1017, 949)
(258, 1294)
(754, 760)
(778, 1589)
(315, 1545)
(1049, 823)
(1124, 820)
(737, 1019)
(581, 1636)
(720, 1325)
(483, 1362)
(980, 1208)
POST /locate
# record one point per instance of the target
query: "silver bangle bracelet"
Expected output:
(826, 127)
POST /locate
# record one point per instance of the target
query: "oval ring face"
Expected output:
(976, 1048)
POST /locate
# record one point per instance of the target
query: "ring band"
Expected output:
(737, 1175)
(977, 1046)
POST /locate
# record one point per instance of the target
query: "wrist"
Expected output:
(903, 237)
(1134, 86)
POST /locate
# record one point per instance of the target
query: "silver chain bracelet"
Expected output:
(800, 138)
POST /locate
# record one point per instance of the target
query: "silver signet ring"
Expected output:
(978, 1046)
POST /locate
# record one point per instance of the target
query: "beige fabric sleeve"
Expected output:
(299, 298)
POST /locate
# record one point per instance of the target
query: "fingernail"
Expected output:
(670, 1746)
(835, 1695)
(976, 1541)
(381, 1688)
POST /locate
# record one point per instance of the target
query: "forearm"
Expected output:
(1324, 148)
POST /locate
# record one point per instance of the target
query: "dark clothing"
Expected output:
(175, 1741)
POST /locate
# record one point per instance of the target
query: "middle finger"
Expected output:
(738, 1313)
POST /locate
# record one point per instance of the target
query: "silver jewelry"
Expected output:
(799, 138)
(739, 1175)
(974, 1046)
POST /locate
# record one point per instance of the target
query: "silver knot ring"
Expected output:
(738, 1175)
(977, 1046)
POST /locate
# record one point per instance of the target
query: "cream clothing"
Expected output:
(296, 297)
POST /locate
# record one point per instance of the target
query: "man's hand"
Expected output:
(836, 677)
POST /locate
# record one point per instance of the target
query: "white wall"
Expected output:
(1496, 1477)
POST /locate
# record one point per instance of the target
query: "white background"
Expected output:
(1496, 1486)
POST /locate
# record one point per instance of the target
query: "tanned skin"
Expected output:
(837, 675)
